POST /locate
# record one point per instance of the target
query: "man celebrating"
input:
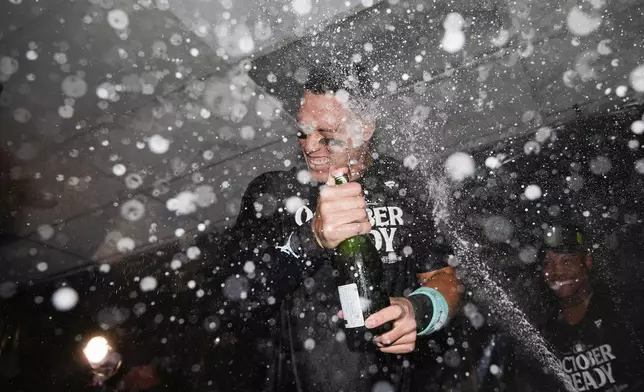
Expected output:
(600, 345)
(289, 248)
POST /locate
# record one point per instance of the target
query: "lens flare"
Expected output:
(96, 350)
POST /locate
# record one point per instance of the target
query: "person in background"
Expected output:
(288, 299)
(596, 333)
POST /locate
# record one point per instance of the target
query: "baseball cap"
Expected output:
(563, 238)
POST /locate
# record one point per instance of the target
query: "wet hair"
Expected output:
(355, 79)
(331, 78)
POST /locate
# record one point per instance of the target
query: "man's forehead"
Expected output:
(325, 109)
(560, 256)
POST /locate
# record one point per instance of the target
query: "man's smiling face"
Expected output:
(324, 134)
(565, 273)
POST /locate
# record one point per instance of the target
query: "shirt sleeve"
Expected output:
(261, 259)
(436, 251)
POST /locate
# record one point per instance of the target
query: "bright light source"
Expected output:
(102, 358)
(96, 350)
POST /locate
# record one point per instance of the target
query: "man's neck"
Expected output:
(574, 309)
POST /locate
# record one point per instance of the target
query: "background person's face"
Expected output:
(324, 136)
(565, 273)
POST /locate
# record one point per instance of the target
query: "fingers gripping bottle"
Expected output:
(358, 271)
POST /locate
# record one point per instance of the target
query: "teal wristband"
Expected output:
(441, 309)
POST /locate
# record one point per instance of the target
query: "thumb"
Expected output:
(333, 172)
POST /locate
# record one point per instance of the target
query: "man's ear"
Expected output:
(368, 129)
(588, 261)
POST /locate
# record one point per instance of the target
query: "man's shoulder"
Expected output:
(273, 180)
(395, 174)
(388, 168)
(609, 302)
(385, 163)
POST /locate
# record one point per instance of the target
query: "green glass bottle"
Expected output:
(358, 270)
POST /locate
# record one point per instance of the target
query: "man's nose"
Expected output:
(557, 268)
(312, 142)
(549, 269)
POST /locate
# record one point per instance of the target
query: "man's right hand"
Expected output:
(341, 213)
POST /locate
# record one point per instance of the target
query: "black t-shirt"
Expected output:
(292, 275)
(603, 352)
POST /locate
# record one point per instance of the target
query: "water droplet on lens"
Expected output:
(149, 283)
(532, 147)
(494, 370)
(532, 192)
(249, 267)
(118, 19)
(459, 166)
(236, 288)
(639, 166)
(133, 210)
(498, 228)
(74, 86)
(64, 299)
(158, 144)
(600, 165)
(301, 7)
(193, 252)
(21, 115)
(382, 386)
(636, 78)
(543, 134)
(125, 245)
(46, 232)
(637, 127)
(309, 344)
(8, 289)
(118, 169)
(211, 323)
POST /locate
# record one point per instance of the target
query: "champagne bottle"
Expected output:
(359, 278)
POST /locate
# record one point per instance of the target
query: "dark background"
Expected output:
(489, 100)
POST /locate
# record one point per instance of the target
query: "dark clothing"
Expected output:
(603, 352)
(291, 293)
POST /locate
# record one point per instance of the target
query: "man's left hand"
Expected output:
(402, 337)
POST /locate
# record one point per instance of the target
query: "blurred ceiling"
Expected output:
(128, 125)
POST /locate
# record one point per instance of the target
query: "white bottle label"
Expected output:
(351, 305)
